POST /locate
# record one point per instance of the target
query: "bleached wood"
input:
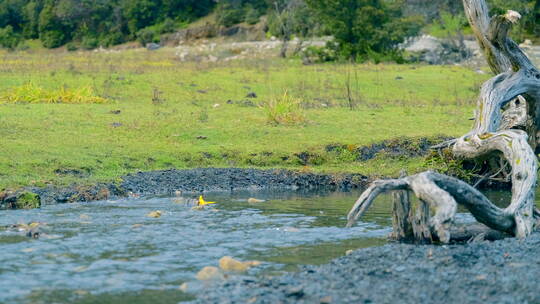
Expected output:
(506, 122)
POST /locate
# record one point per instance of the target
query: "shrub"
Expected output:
(284, 110)
(364, 27)
(252, 16)
(8, 38)
(314, 54)
(147, 35)
(228, 15)
(52, 39)
(72, 47)
(89, 43)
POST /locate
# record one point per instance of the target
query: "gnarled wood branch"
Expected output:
(507, 119)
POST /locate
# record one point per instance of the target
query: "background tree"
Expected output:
(365, 27)
(288, 18)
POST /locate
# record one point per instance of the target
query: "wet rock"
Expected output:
(252, 200)
(154, 214)
(251, 95)
(209, 273)
(168, 182)
(217, 179)
(295, 292)
(229, 264)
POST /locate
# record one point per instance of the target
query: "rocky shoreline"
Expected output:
(169, 182)
(503, 271)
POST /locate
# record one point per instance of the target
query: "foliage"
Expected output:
(27, 200)
(363, 28)
(29, 93)
(8, 38)
(448, 25)
(284, 110)
(92, 23)
(289, 17)
(314, 54)
(230, 12)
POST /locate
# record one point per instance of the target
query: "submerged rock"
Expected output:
(154, 214)
(209, 273)
(229, 264)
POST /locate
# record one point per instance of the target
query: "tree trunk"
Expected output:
(507, 119)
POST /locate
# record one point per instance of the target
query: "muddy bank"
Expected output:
(168, 182)
(488, 272)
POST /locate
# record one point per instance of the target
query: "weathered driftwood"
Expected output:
(506, 124)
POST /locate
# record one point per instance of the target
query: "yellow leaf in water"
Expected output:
(27, 250)
(202, 202)
(136, 226)
(154, 214)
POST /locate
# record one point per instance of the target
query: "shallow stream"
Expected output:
(112, 252)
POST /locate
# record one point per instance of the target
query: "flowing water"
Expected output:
(112, 252)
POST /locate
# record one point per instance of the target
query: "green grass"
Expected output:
(174, 114)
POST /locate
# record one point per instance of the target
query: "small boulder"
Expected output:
(152, 46)
(227, 263)
(209, 273)
(154, 214)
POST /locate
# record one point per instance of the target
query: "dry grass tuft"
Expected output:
(284, 110)
(30, 93)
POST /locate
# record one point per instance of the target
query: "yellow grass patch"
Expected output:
(30, 93)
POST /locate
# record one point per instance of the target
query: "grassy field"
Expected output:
(162, 113)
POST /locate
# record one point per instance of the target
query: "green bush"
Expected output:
(228, 15)
(52, 39)
(168, 26)
(147, 35)
(89, 43)
(8, 38)
(252, 16)
(71, 47)
(113, 38)
(314, 54)
(362, 28)
(27, 200)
